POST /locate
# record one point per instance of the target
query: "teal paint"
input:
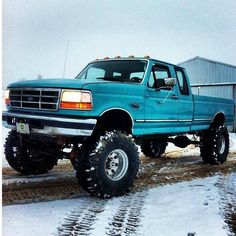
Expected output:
(185, 114)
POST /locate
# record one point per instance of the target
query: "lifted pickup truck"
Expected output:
(100, 115)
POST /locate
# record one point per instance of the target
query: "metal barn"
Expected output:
(212, 78)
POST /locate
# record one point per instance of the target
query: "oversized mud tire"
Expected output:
(153, 148)
(215, 145)
(25, 158)
(12, 152)
(108, 167)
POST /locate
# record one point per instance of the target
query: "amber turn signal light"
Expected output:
(76, 99)
(76, 105)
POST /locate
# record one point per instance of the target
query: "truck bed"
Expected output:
(205, 109)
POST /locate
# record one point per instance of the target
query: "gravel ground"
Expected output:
(62, 184)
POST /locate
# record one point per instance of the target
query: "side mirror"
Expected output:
(170, 81)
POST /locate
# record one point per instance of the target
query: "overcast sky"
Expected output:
(35, 33)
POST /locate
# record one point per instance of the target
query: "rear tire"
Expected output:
(215, 145)
(25, 157)
(109, 166)
(153, 148)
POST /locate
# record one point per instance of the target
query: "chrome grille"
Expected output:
(35, 98)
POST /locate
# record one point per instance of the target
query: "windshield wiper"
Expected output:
(132, 80)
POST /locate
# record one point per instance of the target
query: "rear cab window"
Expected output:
(182, 81)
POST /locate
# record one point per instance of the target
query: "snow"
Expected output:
(177, 209)
(37, 178)
(232, 144)
(184, 208)
(35, 219)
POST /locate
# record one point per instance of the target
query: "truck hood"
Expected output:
(54, 83)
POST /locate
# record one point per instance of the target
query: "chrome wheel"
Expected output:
(116, 164)
(221, 144)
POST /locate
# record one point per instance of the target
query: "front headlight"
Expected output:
(76, 99)
(7, 96)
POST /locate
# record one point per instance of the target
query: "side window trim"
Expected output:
(154, 76)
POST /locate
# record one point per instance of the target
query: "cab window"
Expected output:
(159, 73)
(183, 86)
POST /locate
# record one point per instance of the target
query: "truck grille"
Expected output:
(35, 98)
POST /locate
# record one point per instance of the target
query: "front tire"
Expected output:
(11, 150)
(24, 156)
(108, 167)
(215, 145)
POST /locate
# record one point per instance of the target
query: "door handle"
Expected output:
(174, 97)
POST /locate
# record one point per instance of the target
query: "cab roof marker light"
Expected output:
(131, 56)
(146, 56)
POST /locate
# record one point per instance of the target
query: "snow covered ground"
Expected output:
(199, 207)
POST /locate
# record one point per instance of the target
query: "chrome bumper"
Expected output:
(49, 125)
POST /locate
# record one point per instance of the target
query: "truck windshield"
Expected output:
(116, 70)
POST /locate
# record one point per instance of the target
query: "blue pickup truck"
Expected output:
(100, 116)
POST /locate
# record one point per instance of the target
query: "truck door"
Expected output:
(185, 113)
(161, 103)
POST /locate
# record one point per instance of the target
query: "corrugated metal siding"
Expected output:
(234, 94)
(203, 71)
(215, 91)
(234, 97)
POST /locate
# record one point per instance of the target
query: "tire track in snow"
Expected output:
(227, 191)
(80, 221)
(127, 218)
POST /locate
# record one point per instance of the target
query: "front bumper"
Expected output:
(50, 125)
